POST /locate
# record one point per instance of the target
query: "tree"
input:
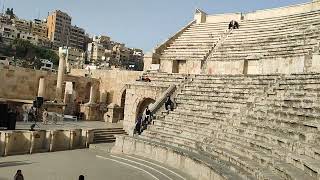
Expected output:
(32, 54)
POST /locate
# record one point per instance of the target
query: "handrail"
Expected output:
(214, 47)
(159, 103)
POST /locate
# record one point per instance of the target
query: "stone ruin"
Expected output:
(247, 100)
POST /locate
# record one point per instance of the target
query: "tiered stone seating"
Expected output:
(267, 125)
(195, 42)
(279, 37)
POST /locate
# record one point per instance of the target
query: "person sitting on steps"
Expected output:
(233, 25)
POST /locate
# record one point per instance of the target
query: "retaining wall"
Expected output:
(28, 142)
(190, 165)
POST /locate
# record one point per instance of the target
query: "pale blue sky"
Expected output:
(137, 23)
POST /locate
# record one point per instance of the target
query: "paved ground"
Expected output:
(94, 164)
(68, 125)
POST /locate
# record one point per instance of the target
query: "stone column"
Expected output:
(103, 97)
(41, 89)
(92, 95)
(62, 57)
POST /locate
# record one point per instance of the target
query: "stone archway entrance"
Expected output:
(123, 103)
(143, 105)
(87, 92)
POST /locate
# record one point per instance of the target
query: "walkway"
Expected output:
(94, 164)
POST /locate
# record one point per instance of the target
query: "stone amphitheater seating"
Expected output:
(261, 127)
(195, 42)
(279, 37)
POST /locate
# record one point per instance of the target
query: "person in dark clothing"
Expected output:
(230, 25)
(148, 115)
(138, 125)
(168, 104)
(81, 177)
(233, 25)
(18, 175)
(31, 114)
(236, 25)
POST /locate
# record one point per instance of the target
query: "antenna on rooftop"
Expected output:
(38, 14)
(3, 4)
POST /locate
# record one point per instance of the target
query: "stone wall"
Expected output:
(28, 142)
(112, 82)
(22, 83)
(266, 66)
(224, 67)
(182, 67)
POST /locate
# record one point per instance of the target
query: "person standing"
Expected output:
(148, 115)
(45, 116)
(138, 125)
(31, 114)
(25, 114)
(18, 175)
(81, 177)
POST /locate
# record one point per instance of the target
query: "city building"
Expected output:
(8, 33)
(28, 37)
(5, 19)
(105, 41)
(77, 37)
(96, 52)
(74, 57)
(59, 25)
(22, 25)
(39, 28)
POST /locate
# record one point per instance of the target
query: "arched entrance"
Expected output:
(123, 103)
(143, 105)
(87, 92)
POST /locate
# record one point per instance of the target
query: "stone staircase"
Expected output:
(195, 42)
(106, 135)
(215, 46)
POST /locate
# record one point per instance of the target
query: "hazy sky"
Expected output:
(137, 23)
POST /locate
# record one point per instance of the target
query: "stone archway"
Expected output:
(137, 99)
(123, 103)
(142, 105)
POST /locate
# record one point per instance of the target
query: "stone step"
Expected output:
(225, 144)
(247, 164)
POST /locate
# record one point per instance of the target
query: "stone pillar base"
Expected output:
(91, 112)
(114, 113)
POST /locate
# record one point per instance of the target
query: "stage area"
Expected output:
(93, 164)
